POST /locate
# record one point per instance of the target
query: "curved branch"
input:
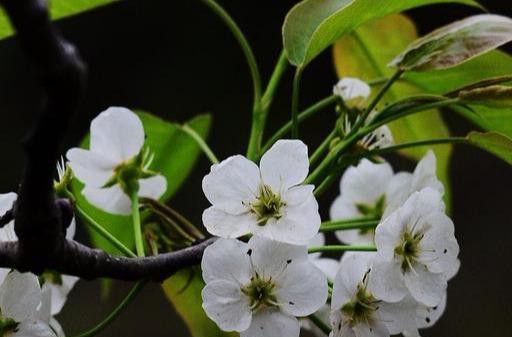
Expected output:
(76, 259)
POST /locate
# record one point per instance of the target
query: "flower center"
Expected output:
(268, 205)
(261, 293)
(7, 326)
(361, 308)
(408, 249)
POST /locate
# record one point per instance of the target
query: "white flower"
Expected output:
(259, 288)
(117, 138)
(378, 139)
(426, 317)
(373, 190)
(58, 286)
(353, 91)
(357, 311)
(416, 250)
(266, 201)
(23, 311)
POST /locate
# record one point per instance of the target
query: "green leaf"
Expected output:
(175, 154)
(364, 54)
(183, 290)
(456, 43)
(313, 25)
(493, 142)
(493, 64)
(58, 9)
(494, 96)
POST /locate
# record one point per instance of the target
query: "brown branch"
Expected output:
(40, 219)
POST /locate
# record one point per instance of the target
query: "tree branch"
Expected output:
(40, 219)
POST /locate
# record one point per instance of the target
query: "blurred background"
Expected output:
(176, 59)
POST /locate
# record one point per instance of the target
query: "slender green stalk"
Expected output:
(377, 81)
(244, 44)
(320, 324)
(137, 228)
(273, 83)
(324, 185)
(200, 141)
(104, 233)
(295, 102)
(342, 225)
(341, 248)
(309, 112)
(116, 312)
(448, 140)
(322, 149)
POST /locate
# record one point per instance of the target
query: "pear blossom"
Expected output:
(58, 286)
(357, 311)
(268, 200)
(416, 251)
(259, 288)
(377, 139)
(23, 312)
(374, 190)
(426, 317)
(352, 90)
(115, 159)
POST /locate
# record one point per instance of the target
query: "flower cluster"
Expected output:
(260, 279)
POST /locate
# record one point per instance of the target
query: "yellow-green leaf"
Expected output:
(365, 54)
(493, 142)
(495, 96)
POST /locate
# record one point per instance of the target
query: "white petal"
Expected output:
(117, 133)
(286, 164)
(317, 240)
(428, 316)
(386, 281)
(91, 168)
(271, 258)
(343, 208)
(226, 305)
(111, 199)
(366, 183)
(7, 201)
(353, 268)
(70, 232)
(232, 184)
(33, 329)
(7, 233)
(227, 259)
(426, 287)
(425, 175)
(350, 88)
(43, 313)
(423, 203)
(225, 225)
(329, 267)
(388, 234)
(397, 192)
(59, 292)
(153, 187)
(376, 329)
(57, 328)
(298, 225)
(340, 328)
(301, 289)
(20, 295)
(272, 323)
(298, 194)
(399, 316)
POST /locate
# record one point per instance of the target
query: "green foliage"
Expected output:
(495, 63)
(58, 9)
(493, 142)
(456, 43)
(175, 154)
(365, 53)
(313, 25)
(184, 292)
(494, 96)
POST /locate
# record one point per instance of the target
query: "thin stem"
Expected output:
(341, 248)
(200, 141)
(342, 225)
(116, 312)
(379, 96)
(295, 102)
(324, 185)
(448, 140)
(273, 83)
(137, 228)
(104, 233)
(322, 149)
(309, 112)
(320, 324)
(244, 44)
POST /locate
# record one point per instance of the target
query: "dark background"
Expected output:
(176, 59)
